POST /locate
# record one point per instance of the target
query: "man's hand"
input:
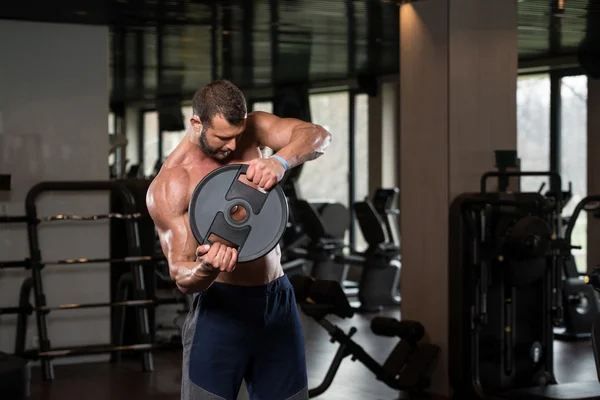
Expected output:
(265, 172)
(216, 257)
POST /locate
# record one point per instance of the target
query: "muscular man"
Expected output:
(243, 323)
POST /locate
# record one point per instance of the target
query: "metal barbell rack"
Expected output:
(35, 264)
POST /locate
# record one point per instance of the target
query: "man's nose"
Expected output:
(231, 145)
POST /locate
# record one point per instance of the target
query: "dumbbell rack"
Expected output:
(35, 282)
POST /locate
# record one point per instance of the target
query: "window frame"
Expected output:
(555, 132)
(556, 76)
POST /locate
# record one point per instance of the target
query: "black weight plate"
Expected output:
(528, 238)
(220, 191)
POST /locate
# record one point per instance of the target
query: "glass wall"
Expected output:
(573, 155)
(111, 122)
(326, 178)
(172, 139)
(533, 128)
(150, 142)
(361, 159)
(111, 131)
(266, 106)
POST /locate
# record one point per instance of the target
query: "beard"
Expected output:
(209, 151)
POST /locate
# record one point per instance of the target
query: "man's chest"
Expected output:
(198, 172)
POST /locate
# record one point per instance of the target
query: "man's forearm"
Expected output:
(193, 277)
(308, 142)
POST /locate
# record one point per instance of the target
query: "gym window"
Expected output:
(573, 155)
(552, 135)
(533, 128)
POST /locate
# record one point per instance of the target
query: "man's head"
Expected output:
(219, 118)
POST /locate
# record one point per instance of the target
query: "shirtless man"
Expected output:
(243, 323)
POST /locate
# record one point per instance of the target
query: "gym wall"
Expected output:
(53, 127)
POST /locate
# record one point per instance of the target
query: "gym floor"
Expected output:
(574, 362)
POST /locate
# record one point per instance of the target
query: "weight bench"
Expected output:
(407, 368)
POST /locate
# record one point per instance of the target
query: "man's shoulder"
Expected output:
(260, 121)
(260, 114)
(176, 171)
(170, 186)
(258, 117)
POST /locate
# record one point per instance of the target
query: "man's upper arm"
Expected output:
(167, 206)
(272, 131)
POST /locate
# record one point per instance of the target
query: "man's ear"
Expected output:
(196, 124)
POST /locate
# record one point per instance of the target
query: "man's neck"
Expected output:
(192, 136)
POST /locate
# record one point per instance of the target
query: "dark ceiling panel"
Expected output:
(310, 42)
(159, 47)
(551, 27)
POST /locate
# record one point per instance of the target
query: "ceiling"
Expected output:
(162, 48)
(549, 28)
(254, 43)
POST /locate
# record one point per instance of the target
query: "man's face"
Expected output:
(220, 139)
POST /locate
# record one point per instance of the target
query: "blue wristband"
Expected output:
(285, 164)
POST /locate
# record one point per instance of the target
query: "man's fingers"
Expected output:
(202, 250)
(214, 250)
(270, 183)
(258, 174)
(250, 171)
(265, 180)
(220, 257)
(226, 260)
(233, 260)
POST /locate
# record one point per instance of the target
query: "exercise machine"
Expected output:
(384, 201)
(378, 285)
(295, 241)
(579, 299)
(506, 293)
(593, 280)
(501, 279)
(321, 248)
(408, 367)
(586, 390)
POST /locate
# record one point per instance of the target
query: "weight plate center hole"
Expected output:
(238, 213)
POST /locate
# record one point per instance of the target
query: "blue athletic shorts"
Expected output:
(234, 333)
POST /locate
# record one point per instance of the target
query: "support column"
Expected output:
(389, 134)
(458, 82)
(375, 167)
(383, 137)
(593, 122)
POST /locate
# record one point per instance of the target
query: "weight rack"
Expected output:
(35, 263)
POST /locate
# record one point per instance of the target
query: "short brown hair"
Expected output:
(220, 97)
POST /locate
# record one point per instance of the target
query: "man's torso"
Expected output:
(258, 272)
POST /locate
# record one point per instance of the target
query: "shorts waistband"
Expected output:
(280, 284)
